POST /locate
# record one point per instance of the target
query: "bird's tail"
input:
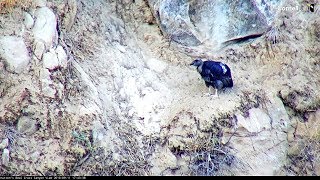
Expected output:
(227, 82)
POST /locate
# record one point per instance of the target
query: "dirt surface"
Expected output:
(128, 103)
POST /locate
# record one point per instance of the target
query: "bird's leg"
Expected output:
(207, 94)
(216, 93)
(210, 93)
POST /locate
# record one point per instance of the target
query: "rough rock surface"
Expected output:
(26, 125)
(15, 53)
(4, 143)
(5, 157)
(45, 27)
(108, 93)
(193, 23)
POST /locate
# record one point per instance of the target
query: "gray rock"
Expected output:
(26, 125)
(2, 66)
(262, 148)
(14, 51)
(317, 168)
(310, 128)
(4, 143)
(103, 136)
(59, 90)
(50, 60)
(164, 159)
(257, 121)
(55, 58)
(28, 20)
(48, 89)
(175, 21)
(62, 56)
(278, 113)
(295, 148)
(98, 133)
(190, 23)
(5, 157)
(39, 48)
(45, 76)
(35, 156)
(45, 27)
(40, 3)
(268, 8)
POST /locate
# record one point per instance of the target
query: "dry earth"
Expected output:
(94, 88)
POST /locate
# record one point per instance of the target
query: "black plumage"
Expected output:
(215, 74)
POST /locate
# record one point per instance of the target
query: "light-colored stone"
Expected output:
(262, 148)
(35, 156)
(310, 128)
(102, 137)
(39, 48)
(121, 48)
(301, 130)
(5, 157)
(55, 58)
(40, 3)
(28, 20)
(295, 148)
(277, 112)
(14, 51)
(26, 125)
(50, 60)
(45, 27)
(164, 159)
(98, 132)
(47, 84)
(219, 20)
(317, 167)
(59, 89)
(290, 135)
(45, 76)
(62, 56)
(48, 91)
(4, 143)
(2, 66)
(258, 120)
(313, 125)
(262, 154)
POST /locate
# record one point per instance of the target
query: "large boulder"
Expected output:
(192, 23)
(259, 139)
(15, 53)
(45, 27)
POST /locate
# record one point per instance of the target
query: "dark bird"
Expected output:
(215, 74)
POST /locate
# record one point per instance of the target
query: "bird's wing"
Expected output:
(206, 78)
(213, 68)
(217, 69)
(224, 68)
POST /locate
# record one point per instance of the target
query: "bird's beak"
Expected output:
(192, 64)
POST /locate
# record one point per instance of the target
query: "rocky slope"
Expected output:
(103, 87)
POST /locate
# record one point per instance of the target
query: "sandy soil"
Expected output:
(128, 103)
